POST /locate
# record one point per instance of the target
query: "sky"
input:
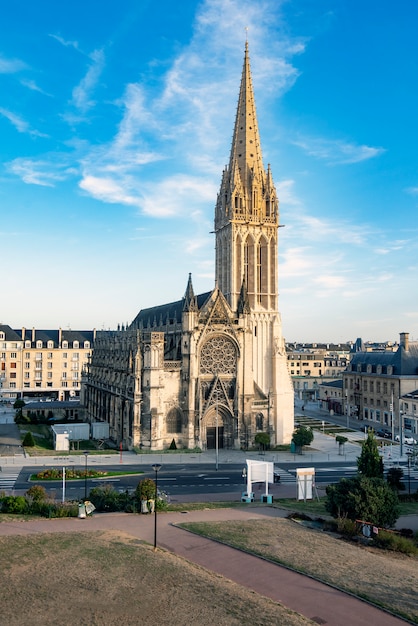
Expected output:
(116, 121)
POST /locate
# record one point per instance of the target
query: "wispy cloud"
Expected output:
(20, 124)
(65, 42)
(337, 152)
(11, 66)
(30, 84)
(412, 190)
(191, 113)
(82, 92)
(37, 172)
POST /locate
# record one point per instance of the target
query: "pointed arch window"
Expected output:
(174, 421)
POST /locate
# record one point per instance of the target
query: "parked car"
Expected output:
(410, 441)
(385, 433)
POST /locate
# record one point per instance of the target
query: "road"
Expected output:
(180, 480)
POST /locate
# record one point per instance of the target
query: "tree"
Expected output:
(341, 440)
(367, 499)
(262, 439)
(19, 404)
(302, 436)
(394, 478)
(370, 463)
(28, 440)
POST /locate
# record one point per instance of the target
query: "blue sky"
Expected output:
(116, 122)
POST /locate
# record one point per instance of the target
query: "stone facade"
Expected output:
(209, 365)
(43, 363)
(375, 382)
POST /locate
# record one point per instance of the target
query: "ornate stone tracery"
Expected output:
(218, 356)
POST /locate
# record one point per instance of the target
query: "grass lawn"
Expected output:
(386, 578)
(109, 578)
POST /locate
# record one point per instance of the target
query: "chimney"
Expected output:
(404, 341)
(23, 333)
(33, 334)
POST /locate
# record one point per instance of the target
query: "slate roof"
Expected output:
(403, 362)
(53, 335)
(9, 333)
(163, 314)
(338, 384)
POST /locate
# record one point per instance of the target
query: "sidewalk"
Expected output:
(312, 599)
(323, 449)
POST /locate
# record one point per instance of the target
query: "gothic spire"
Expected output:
(190, 303)
(246, 148)
(243, 301)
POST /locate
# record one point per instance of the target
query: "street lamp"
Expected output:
(86, 454)
(409, 471)
(347, 408)
(156, 467)
(217, 438)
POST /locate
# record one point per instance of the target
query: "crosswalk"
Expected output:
(8, 479)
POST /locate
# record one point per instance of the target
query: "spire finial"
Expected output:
(246, 36)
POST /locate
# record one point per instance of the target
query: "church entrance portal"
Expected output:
(211, 437)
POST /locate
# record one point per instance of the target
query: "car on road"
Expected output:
(385, 433)
(410, 441)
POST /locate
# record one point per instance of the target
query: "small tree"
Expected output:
(18, 404)
(368, 499)
(28, 440)
(145, 490)
(173, 445)
(37, 493)
(341, 440)
(370, 463)
(394, 478)
(302, 436)
(263, 440)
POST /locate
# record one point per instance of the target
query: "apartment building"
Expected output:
(43, 363)
(380, 386)
(312, 364)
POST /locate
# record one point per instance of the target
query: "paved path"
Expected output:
(304, 595)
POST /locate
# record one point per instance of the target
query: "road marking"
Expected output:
(217, 478)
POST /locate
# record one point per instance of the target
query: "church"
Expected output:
(208, 370)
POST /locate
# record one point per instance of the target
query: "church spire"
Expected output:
(190, 303)
(246, 149)
(247, 212)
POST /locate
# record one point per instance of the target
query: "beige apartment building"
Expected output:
(380, 386)
(312, 364)
(44, 364)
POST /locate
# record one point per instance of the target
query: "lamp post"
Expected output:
(401, 434)
(86, 454)
(217, 438)
(409, 471)
(156, 467)
(347, 408)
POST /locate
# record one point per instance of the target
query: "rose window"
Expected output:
(218, 356)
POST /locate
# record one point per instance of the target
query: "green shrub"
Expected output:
(394, 478)
(145, 490)
(37, 493)
(106, 498)
(14, 504)
(392, 541)
(173, 445)
(28, 440)
(347, 527)
(369, 499)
